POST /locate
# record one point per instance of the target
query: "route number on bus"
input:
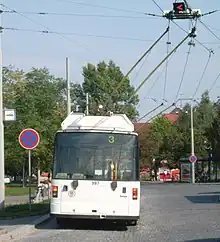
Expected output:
(111, 139)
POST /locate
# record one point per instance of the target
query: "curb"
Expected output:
(24, 230)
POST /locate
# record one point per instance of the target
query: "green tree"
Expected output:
(147, 146)
(101, 83)
(168, 141)
(38, 99)
(204, 113)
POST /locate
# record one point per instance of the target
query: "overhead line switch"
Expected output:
(182, 11)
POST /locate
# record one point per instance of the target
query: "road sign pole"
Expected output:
(29, 140)
(29, 175)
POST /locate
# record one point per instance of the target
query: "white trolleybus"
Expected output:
(96, 171)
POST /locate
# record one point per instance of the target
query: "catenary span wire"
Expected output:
(184, 71)
(145, 15)
(91, 35)
(203, 74)
(48, 29)
(101, 6)
(200, 43)
(77, 34)
(157, 5)
(111, 8)
(216, 36)
(214, 82)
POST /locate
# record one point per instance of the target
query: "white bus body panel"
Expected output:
(115, 122)
(96, 199)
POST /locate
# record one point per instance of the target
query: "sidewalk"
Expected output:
(19, 228)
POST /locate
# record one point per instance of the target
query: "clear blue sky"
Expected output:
(27, 49)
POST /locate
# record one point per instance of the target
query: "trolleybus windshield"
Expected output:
(93, 156)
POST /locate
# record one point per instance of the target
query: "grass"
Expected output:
(22, 210)
(17, 190)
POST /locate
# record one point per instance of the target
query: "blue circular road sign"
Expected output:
(29, 139)
(192, 158)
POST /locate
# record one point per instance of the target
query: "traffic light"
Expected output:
(179, 7)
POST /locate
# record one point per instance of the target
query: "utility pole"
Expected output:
(87, 103)
(68, 87)
(192, 141)
(2, 161)
(192, 134)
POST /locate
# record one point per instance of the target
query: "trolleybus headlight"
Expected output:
(134, 193)
(55, 191)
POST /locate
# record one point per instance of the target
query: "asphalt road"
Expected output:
(169, 212)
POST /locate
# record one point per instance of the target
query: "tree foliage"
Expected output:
(101, 82)
(173, 140)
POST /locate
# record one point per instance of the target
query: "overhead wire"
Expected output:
(151, 111)
(155, 81)
(191, 43)
(214, 82)
(158, 77)
(155, 69)
(156, 115)
(141, 67)
(157, 5)
(200, 43)
(216, 36)
(203, 74)
(48, 29)
(79, 14)
(76, 34)
(101, 6)
(184, 71)
(206, 66)
(86, 35)
(137, 62)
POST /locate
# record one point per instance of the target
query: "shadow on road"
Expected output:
(203, 199)
(204, 240)
(71, 224)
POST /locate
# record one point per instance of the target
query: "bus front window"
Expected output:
(88, 156)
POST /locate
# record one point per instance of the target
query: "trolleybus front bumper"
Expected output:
(95, 217)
